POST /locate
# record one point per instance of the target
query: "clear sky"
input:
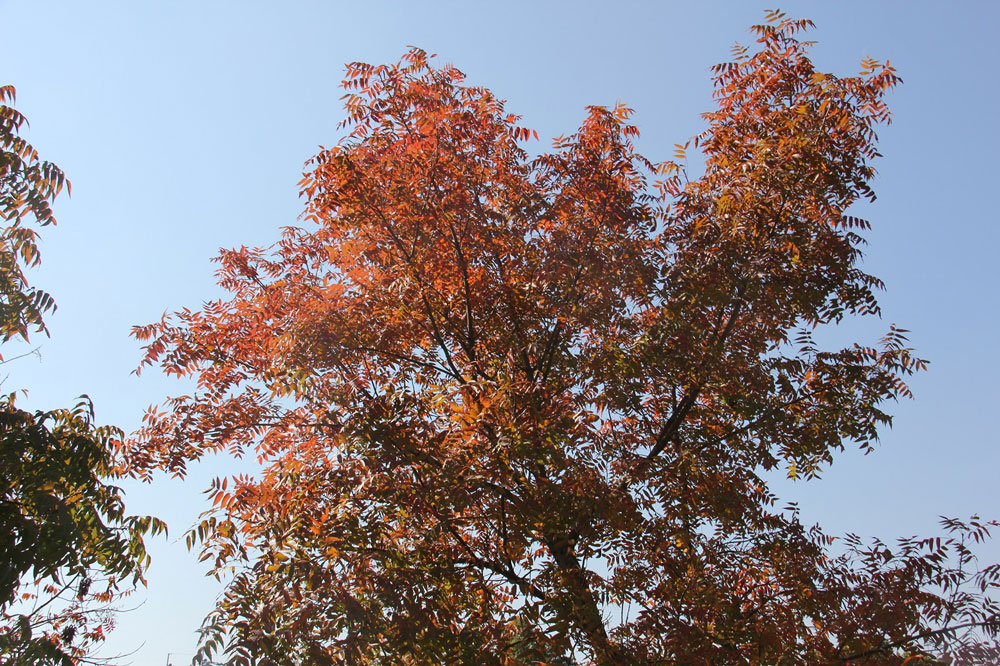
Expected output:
(184, 127)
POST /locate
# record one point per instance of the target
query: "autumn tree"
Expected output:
(68, 550)
(520, 410)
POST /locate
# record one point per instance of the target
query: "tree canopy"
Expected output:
(68, 550)
(520, 410)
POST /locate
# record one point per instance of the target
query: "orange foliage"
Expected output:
(516, 411)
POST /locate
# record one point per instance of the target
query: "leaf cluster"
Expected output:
(63, 527)
(27, 186)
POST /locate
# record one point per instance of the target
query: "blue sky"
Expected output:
(184, 127)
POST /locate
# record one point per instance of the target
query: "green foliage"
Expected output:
(27, 186)
(56, 511)
(63, 525)
(68, 550)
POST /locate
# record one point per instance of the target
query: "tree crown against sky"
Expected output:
(68, 550)
(517, 410)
